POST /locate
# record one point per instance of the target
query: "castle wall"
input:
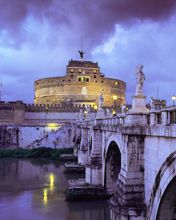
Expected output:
(83, 83)
(44, 117)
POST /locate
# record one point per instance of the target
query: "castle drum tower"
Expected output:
(82, 85)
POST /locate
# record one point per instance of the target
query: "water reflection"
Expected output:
(51, 179)
(34, 191)
(45, 196)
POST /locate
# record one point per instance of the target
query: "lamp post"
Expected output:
(173, 99)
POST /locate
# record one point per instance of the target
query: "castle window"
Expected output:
(94, 71)
(83, 79)
(102, 81)
(71, 70)
(95, 76)
(79, 70)
(71, 75)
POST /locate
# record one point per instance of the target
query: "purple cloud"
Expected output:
(38, 37)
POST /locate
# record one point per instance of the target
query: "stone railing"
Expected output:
(111, 121)
(166, 116)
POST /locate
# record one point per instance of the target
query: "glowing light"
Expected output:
(115, 97)
(84, 90)
(173, 97)
(52, 180)
(95, 107)
(116, 83)
(113, 112)
(52, 126)
(45, 196)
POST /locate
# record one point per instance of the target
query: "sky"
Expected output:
(39, 37)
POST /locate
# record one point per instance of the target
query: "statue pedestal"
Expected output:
(100, 114)
(138, 114)
(139, 104)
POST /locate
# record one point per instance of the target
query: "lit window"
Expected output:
(79, 70)
(94, 71)
(71, 70)
(83, 78)
(116, 83)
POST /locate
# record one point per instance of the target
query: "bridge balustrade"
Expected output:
(173, 117)
(158, 118)
(165, 117)
(109, 122)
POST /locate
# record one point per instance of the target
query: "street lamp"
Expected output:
(173, 99)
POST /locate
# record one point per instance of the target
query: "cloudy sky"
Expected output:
(38, 37)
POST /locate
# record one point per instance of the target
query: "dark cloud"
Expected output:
(94, 19)
(37, 37)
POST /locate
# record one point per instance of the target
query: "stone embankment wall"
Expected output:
(36, 136)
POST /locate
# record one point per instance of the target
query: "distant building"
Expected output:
(82, 85)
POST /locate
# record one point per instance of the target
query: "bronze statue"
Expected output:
(81, 53)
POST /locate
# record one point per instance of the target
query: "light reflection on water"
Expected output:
(35, 191)
(51, 177)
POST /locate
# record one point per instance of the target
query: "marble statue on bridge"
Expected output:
(100, 102)
(138, 102)
(140, 80)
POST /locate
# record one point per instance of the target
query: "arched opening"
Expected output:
(167, 207)
(112, 167)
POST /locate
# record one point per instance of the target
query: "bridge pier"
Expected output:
(128, 202)
(83, 150)
(94, 166)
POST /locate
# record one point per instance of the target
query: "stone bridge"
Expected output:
(133, 155)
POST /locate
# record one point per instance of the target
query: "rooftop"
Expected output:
(80, 63)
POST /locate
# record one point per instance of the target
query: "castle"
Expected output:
(82, 85)
(58, 101)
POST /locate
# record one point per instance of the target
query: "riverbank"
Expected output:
(42, 153)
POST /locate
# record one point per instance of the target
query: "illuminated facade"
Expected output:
(82, 85)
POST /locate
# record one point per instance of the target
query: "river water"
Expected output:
(32, 190)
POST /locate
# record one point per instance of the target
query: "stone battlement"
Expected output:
(77, 63)
(55, 108)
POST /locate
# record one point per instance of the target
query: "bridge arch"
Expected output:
(112, 165)
(162, 204)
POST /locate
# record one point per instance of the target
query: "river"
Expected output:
(32, 190)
